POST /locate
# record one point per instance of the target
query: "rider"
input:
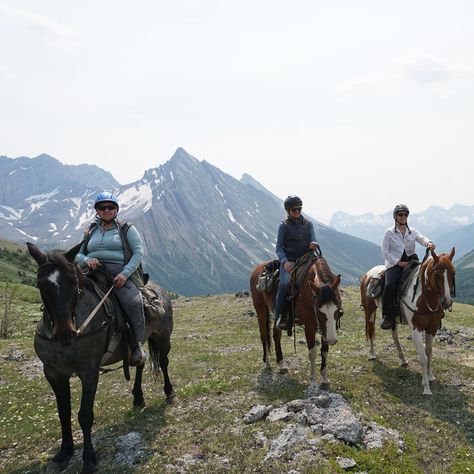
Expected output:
(295, 236)
(398, 248)
(106, 247)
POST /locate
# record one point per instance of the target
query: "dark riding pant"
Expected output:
(131, 301)
(282, 291)
(393, 276)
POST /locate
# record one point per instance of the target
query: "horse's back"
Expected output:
(165, 320)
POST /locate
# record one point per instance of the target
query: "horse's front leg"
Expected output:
(89, 380)
(278, 351)
(396, 341)
(310, 334)
(370, 331)
(62, 391)
(324, 370)
(429, 356)
(417, 337)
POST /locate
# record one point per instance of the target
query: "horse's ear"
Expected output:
(451, 254)
(36, 253)
(336, 282)
(435, 257)
(71, 254)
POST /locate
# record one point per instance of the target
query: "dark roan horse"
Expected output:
(318, 308)
(69, 298)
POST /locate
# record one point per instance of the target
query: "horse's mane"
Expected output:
(57, 258)
(323, 271)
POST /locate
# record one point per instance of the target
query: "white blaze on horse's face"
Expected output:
(53, 278)
(446, 300)
(330, 312)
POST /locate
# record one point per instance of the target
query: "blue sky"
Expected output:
(355, 106)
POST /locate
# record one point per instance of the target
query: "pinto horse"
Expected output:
(317, 307)
(69, 299)
(429, 291)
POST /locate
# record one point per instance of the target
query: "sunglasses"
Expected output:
(402, 214)
(106, 208)
(296, 209)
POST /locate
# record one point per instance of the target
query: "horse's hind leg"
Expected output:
(159, 349)
(62, 390)
(396, 341)
(89, 382)
(417, 337)
(138, 400)
(370, 332)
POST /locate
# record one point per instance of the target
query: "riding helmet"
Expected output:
(105, 196)
(292, 201)
(400, 208)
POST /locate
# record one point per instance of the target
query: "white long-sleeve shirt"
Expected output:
(394, 243)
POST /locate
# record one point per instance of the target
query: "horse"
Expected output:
(68, 341)
(317, 307)
(429, 292)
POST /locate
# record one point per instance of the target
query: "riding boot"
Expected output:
(281, 312)
(138, 356)
(386, 322)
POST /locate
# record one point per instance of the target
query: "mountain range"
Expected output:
(204, 230)
(448, 228)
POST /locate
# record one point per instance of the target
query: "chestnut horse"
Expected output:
(67, 344)
(317, 307)
(429, 291)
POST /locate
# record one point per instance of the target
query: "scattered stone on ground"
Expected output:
(129, 449)
(345, 463)
(321, 417)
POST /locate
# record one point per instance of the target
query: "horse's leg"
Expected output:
(138, 400)
(396, 341)
(160, 347)
(310, 334)
(370, 331)
(429, 355)
(417, 337)
(62, 390)
(264, 323)
(323, 370)
(278, 350)
(89, 380)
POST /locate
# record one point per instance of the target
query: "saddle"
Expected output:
(268, 279)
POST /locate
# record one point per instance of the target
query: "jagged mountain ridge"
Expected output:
(204, 230)
(447, 227)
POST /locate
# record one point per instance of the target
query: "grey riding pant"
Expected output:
(131, 301)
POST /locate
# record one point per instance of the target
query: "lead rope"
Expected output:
(94, 311)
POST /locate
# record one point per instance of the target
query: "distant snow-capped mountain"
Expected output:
(435, 222)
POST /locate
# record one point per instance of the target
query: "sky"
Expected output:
(353, 105)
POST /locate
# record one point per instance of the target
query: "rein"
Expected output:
(93, 312)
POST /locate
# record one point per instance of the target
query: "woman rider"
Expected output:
(296, 236)
(398, 248)
(105, 248)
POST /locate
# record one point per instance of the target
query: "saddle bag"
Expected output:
(267, 280)
(153, 305)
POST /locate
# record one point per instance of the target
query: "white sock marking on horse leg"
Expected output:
(312, 367)
(429, 356)
(420, 349)
(396, 341)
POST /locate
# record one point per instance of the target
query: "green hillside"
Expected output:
(465, 278)
(16, 265)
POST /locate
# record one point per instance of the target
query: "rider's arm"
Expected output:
(280, 250)
(136, 245)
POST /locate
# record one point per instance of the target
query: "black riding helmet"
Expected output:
(292, 201)
(400, 208)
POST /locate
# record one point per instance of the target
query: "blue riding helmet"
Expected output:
(105, 196)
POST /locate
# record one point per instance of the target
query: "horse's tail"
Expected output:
(154, 356)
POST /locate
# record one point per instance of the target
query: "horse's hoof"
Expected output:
(283, 370)
(89, 468)
(404, 365)
(54, 466)
(171, 398)
(325, 386)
